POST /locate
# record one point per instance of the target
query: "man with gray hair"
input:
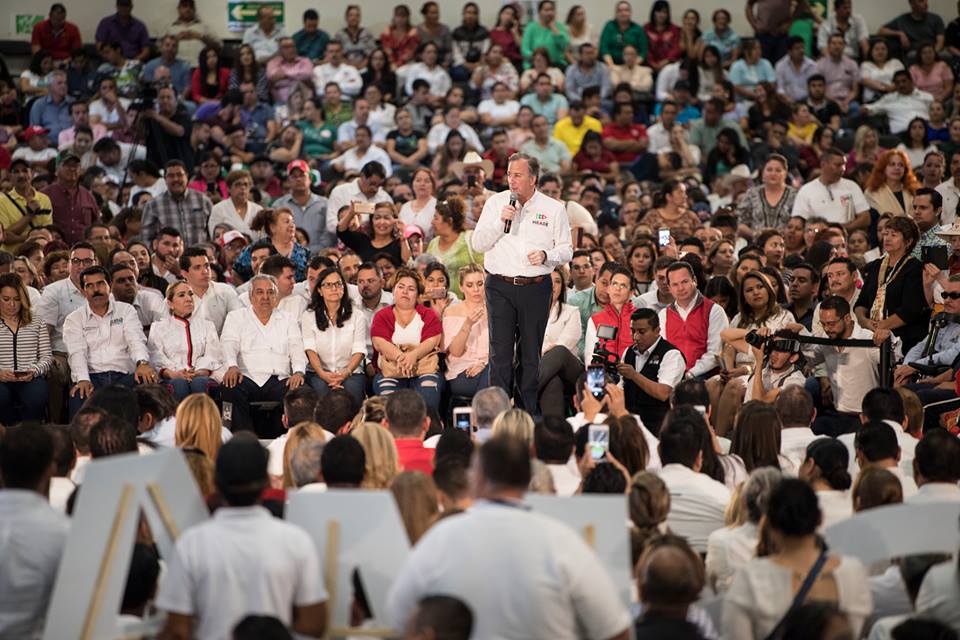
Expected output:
(305, 466)
(263, 352)
(487, 404)
(524, 235)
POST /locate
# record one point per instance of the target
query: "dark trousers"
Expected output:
(101, 380)
(30, 396)
(517, 318)
(236, 405)
(773, 46)
(829, 421)
(559, 372)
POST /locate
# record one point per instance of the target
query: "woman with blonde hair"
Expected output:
(199, 425)
(649, 502)
(892, 184)
(382, 463)
(465, 336)
(416, 497)
(516, 423)
(297, 436)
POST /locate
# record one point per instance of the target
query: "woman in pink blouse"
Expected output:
(465, 336)
(931, 74)
(405, 338)
(663, 36)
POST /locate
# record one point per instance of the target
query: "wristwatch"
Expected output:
(142, 362)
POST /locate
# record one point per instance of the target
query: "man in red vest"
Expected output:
(692, 323)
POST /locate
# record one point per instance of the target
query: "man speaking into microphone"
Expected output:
(523, 235)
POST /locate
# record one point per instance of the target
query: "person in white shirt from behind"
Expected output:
(185, 349)
(936, 468)
(795, 407)
(833, 197)
(877, 448)
(242, 560)
(214, 300)
(730, 548)
(32, 533)
(238, 210)
(105, 341)
(825, 470)
(335, 69)
(541, 579)
(554, 443)
(263, 353)
(763, 591)
(334, 336)
(697, 502)
(886, 406)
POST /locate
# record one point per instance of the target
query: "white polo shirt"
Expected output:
(524, 574)
(697, 503)
(97, 344)
(541, 224)
(241, 561)
(840, 202)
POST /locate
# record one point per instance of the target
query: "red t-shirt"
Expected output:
(586, 164)
(635, 132)
(413, 456)
(59, 45)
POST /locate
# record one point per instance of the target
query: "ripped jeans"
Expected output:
(428, 386)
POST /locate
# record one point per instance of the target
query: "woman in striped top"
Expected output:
(25, 356)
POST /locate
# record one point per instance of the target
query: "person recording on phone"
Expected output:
(524, 235)
(779, 355)
(650, 368)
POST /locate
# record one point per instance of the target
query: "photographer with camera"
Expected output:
(22, 208)
(779, 355)
(167, 127)
(601, 349)
(651, 368)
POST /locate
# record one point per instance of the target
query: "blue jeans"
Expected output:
(183, 388)
(355, 385)
(31, 396)
(468, 387)
(101, 380)
(428, 386)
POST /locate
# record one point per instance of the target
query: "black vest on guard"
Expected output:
(650, 410)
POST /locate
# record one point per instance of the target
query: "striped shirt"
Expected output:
(26, 349)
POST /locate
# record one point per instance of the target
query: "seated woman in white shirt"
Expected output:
(825, 470)
(184, 349)
(238, 210)
(334, 337)
(465, 336)
(729, 549)
(758, 309)
(763, 591)
(428, 69)
(560, 364)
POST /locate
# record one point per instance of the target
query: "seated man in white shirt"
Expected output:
(335, 69)
(697, 501)
(264, 355)
(936, 468)
(284, 271)
(214, 300)
(149, 304)
(795, 408)
(273, 565)
(32, 533)
(554, 443)
(876, 447)
(833, 197)
(362, 152)
(105, 341)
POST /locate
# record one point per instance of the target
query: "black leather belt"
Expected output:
(518, 280)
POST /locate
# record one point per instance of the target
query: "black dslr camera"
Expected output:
(147, 99)
(781, 341)
(602, 356)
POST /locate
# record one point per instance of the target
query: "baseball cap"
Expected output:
(230, 236)
(17, 161)
(241, 463)
(67, 156)
(412, 230)
(29, 132)
(301, 165)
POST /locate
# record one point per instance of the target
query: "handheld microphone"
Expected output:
(513, 203)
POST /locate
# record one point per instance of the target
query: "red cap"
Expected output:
(301, 165)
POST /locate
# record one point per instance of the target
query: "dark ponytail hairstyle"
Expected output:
(832, 459)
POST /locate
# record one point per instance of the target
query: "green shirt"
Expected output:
(586, 302)
(459, 254)
(535, 35)
(318, 141)
(336, 119)
(612, 41)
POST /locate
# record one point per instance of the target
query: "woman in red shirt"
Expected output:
(664, 37)
(210, 78)
(593, 158)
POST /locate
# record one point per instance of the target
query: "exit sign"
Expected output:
(242, 15)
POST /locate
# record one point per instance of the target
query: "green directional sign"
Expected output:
(241, 15)
(23, 23)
